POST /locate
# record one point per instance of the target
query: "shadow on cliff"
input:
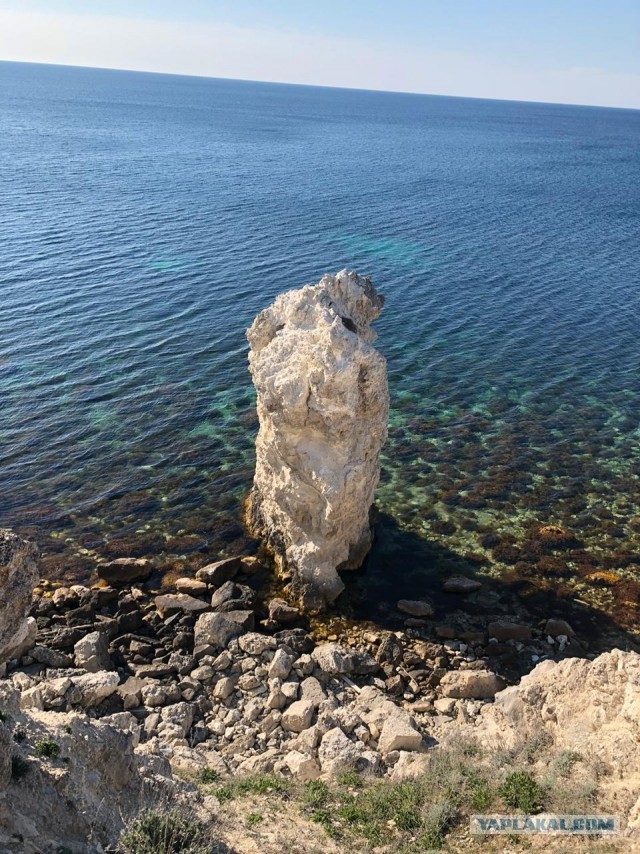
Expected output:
(404, 565)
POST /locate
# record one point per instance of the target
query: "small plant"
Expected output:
(520, 791)
(208, 775)
(259, 784)
(157, 832)
(315, 794)
(481, 796)
(437, 821)
(47, 748)
(351, 779)
(19, 767)
(564, 762)
(254, 818)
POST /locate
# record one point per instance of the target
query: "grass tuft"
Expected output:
(258, 784)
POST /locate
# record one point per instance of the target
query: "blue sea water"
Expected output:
(145, 219)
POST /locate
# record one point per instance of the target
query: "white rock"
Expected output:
(281, 665)
(322, 406)
(290, 690)
(254, 643)
(153, 696)
(444, 705)
(92, 652)
(224, 687)
(312, 691)
(474, 684)
(96, 687)
(399, 733)
(410, 766)
(302, 766)
(333, 658)
(337, 753)
(298, 716)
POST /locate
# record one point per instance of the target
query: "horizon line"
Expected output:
(313, 85)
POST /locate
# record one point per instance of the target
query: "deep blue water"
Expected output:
(145, 219)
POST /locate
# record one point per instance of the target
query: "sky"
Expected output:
(562, 51)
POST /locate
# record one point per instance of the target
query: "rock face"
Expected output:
(588, 707)
(18, 577)
(322, 406)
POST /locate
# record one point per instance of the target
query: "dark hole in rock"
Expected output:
(349, 324)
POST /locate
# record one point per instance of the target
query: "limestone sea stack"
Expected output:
(323, 403)
(18, 577)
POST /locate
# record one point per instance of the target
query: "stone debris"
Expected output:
(206, 690)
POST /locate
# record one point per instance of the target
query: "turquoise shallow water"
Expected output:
(147, 218)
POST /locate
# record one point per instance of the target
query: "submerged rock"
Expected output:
(18, 577)
(322, 406)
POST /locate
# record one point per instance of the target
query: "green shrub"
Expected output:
(208, 775)
(520, 791)
(47, 748)
(171, 832)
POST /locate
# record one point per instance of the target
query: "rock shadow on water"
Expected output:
(404, 565)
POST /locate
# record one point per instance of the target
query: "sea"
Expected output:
(145, 219)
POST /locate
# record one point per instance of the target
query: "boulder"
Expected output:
(399, 733)
(18, 577)
(302, 766)
(233, 597)
(282, 612)
(50, 657)
(281, 665)
(124, 570)
(322, 403)
(215, 630)
(415, 607)
(217, 573)
(191, 586)
(460, 584)
(333, 658)
(471, 684)
(175, 603)
(298, 716)
(255, 644)
(556, 628)
(92, 652)
(337, 753)
(502, 630)
(95, 687)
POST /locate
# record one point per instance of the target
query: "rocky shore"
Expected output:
(208, 679)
